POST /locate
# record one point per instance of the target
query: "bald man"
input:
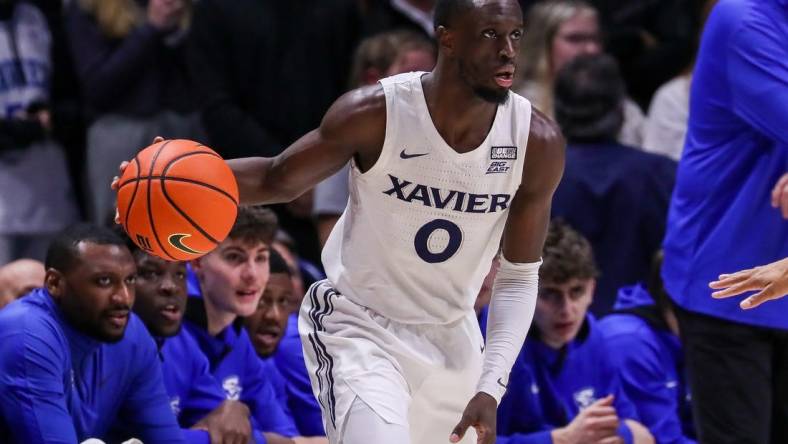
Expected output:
(19, 278)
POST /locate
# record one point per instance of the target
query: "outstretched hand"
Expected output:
(771, 280)
(121, 169)
(480, 413)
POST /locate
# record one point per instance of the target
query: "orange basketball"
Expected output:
(177, 199)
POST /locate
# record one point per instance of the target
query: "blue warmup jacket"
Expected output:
(720, 218)
(548, 388)
(234, 363)
(58, 385)
(301, 402)
(617, 197)
(650, 365)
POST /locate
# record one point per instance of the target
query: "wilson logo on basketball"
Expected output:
(176, 240)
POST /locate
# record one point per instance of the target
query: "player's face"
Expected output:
(97, 294)
(161, 294)
(267, 325)
(561, 309)
(234, 275)
(486, 47)
(576, 36)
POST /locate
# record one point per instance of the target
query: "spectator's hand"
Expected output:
(780, 195)
(480, 413)
(274, 438)
(228, 424)
(771, 280)
(165, 14)
(640, 434)
(597, 423)
(121, 169)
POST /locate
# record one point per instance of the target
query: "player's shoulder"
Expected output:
(544, 131)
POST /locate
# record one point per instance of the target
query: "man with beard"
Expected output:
(196, 398)
(438, 178)
(273, 330)
(75, 361)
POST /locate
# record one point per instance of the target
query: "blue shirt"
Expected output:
(301, 401)
(58, 385)
(617, 197)
(720, 218)
(234, 363)
(548, 388)
(649, 361)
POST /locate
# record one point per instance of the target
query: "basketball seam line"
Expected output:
(150, 209)
(186, 180)
(172, 202)
(133, 195)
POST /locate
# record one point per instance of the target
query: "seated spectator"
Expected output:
(196, 398)
(36, 197)
(642, 337)
(563, 387)
(666, 126)
(668, 113)
(19, 278)
(131, 62)
(303, 272)
(383, 55)
(557, 31)
(616, 196)
(232, 279)
(273, 329)
(75, 361)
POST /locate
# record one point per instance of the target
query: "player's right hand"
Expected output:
(597, 423)
(227, 424)
(121, 169)
(771, 282)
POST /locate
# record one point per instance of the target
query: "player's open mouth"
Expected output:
(504, 77)
(171, 312)
(246, 295)
(118, 318)
(268, 336)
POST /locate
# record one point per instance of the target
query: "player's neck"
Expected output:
(456, 110)
(218, 319)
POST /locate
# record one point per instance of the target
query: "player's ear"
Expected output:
(55, 283)
(446, 40)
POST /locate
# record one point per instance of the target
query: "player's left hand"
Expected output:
(480, 413)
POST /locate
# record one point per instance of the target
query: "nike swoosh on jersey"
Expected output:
(404, 155)
(176, 240)
(500, 382)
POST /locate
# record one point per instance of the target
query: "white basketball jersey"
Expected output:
(423, 224)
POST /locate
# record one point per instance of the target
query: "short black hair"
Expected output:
(277, 263)
(589, 96)
(447, 10)
(254, 223)
(62, 253)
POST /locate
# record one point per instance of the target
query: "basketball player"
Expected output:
(445, 164)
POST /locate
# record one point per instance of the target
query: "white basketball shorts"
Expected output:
(413, 375)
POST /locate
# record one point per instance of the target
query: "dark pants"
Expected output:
(739, 380)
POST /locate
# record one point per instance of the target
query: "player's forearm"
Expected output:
(255, 186)
(511, 312)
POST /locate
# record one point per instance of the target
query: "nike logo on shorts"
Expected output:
(404, 155)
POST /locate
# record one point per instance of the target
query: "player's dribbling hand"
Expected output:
(771, 280)
(597, 423)
(480, 413)
(121, 169)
